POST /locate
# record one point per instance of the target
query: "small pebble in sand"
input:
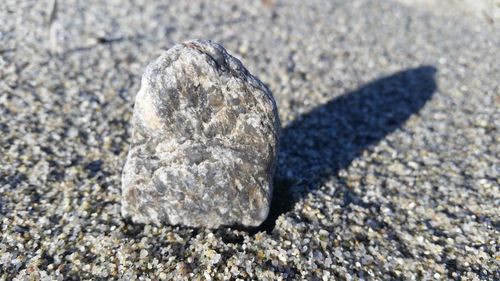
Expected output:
(204, 142)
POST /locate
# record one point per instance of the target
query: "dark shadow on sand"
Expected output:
(315, 146)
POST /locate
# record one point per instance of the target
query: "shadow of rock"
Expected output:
(318, 144)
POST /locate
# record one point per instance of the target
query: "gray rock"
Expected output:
(204, 141)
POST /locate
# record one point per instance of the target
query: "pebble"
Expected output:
(204, 142)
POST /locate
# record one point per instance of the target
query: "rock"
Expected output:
(204, 142)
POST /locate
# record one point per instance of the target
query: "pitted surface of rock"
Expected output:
(204, 141)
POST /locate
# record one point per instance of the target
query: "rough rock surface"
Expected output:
(204, 141)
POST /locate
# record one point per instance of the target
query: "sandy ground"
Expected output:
(488, 10)
(389, 160)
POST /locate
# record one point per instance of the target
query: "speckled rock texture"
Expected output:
(204, 141)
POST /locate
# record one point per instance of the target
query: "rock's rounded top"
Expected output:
(191, 53)
(204, 143)
(200, 63)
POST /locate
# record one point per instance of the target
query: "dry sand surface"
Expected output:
(389, 157)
